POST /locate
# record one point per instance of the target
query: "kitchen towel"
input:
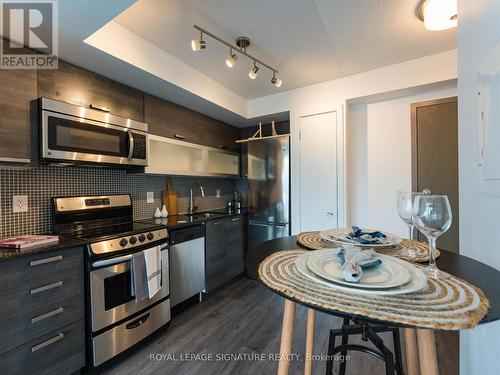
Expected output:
(146, 273)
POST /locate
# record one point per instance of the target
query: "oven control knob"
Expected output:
(150, 236)
(142, 238)
(132, 240)
(123, 242)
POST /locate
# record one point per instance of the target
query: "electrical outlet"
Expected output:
(218, 193)
(150, 197)
(19, 203)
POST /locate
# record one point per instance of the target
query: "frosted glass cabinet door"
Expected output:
(175, 158)
(221, 162)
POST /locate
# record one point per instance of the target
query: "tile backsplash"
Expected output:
(45, 182)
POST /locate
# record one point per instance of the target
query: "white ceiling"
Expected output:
(309, 41)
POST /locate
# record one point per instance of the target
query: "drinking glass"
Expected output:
(405, 211)
(432, 216)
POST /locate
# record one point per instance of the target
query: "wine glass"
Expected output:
(432, 216)
(405, 210)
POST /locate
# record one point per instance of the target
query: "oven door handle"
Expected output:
(130, 145)
(124, 258)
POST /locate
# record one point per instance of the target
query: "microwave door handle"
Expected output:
(130, 145)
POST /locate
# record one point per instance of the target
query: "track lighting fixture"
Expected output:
(255, 70)
(198, 44)
(231, 60)
(240, 48)
(276, 81)
(438, 14)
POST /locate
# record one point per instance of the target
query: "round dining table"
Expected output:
(419, 343)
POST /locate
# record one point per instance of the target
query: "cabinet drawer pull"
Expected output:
(47, 315)
(217, 222)
(235, 219)
(38, 262)
(42, 345)
(46, 287)
(178, 136)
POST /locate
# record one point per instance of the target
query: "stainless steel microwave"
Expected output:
(70, 133)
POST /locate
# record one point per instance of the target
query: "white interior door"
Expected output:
(318, 172)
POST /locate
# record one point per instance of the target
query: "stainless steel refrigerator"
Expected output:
(268, 190)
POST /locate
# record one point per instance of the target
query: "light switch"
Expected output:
(150, 197)
(19, 203)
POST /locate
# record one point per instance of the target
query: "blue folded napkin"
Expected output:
(352, 269)
(366, 238)
(365, 264)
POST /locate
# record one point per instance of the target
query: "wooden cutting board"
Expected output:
(170, 198)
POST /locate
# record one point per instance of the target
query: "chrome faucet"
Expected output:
(192, 204)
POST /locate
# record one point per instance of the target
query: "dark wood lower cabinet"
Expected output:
(235, 246)
(42, 314)
(224, 249)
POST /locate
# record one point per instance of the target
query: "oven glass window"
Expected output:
(118, 290)
(73, 136)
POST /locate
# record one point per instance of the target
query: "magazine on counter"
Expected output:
(24, 242)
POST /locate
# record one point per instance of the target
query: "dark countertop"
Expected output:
(64, 243)
(479, 274)
(183, 220)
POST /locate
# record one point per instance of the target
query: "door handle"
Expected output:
(46, 287)
(130, 145)
(47, 315)
(45, 260)
(138, 322)
(54, 339)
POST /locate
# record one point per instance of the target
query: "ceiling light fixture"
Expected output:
(231, 60)
(438, 14)
(198, 44)
(255, 70)
(276, 81)
(241, 48)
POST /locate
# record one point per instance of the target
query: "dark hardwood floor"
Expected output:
(246, 318)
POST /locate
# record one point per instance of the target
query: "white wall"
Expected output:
(478, 30)
(332, 96)
(379, 157)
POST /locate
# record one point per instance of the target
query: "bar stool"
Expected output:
(393, 361)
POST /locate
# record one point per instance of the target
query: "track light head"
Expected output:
(253, 73)
(198, 44)
(231, 60)
(276, 81)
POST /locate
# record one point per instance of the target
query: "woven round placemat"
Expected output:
(313, 241)
(450, 304)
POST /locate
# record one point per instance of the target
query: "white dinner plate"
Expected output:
(417, 282)
(339, 236)
(388, 274)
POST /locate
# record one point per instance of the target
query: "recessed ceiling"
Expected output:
(308, 41)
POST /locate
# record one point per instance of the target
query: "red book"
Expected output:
(24, 242)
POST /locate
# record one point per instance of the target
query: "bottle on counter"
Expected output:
(157, 213)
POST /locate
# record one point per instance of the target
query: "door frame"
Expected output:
(414, 133)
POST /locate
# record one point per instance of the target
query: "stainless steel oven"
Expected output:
(111, 297)
(70, 133)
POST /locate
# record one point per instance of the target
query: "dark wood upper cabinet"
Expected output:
(73, 85)
(170, 120)
(17, 91)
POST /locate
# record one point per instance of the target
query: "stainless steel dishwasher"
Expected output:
(187, 262)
